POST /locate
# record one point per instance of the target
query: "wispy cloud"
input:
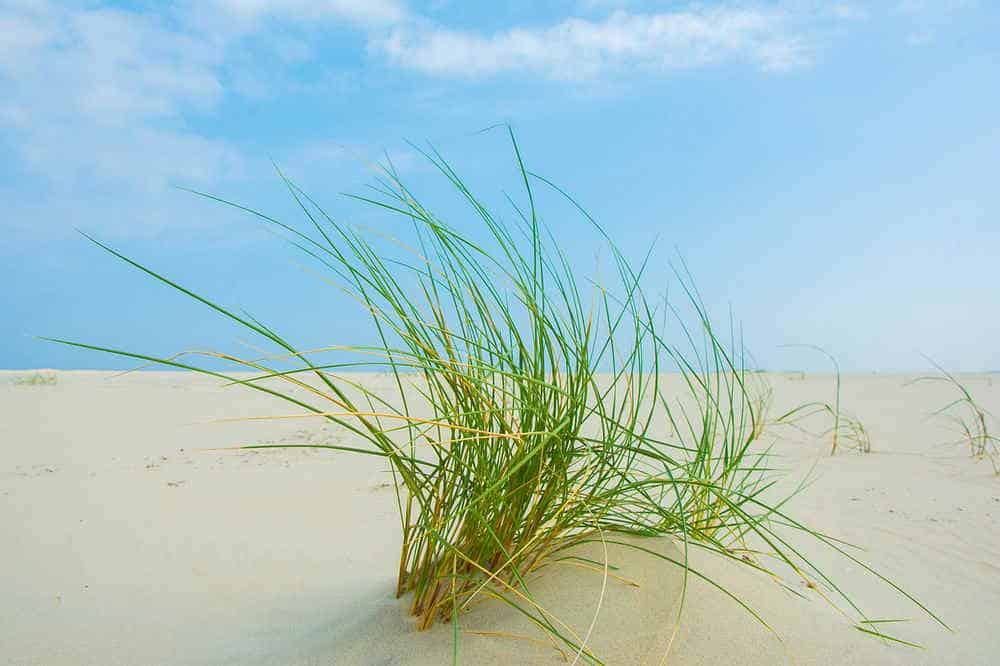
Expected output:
(98, 97)
(101, 98)
(362, 12)
(928, 17)
(94, 94)
(102, 65)
(577, 48)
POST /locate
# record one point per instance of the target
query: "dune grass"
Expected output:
(531, 413)
(36, 379)
(846, 430)
(969, 420)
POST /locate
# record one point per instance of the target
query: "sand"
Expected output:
(123, 543)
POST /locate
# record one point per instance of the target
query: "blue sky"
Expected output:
(827, 169)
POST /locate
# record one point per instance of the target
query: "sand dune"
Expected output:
(125, 543)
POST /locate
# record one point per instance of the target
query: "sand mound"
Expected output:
(633, 619)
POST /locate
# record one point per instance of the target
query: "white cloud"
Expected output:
(323, 156)
(849, 11)
(105, 65)
(98, 102)
(927, 17)
(933, 6)
(97, 97)
(579, 48)
(364, 12)
(141, 159)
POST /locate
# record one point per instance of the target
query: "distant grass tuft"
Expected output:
(36, 379)
(846, 430)
(527, 411)
(968, 418)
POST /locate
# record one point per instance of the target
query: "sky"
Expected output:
(827, 170)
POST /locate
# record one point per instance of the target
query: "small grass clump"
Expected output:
(968, 419)
(36, 379)
(529, 413)
(846, 430)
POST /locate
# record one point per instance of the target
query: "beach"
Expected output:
(128, 538)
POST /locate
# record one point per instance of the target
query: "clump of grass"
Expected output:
(36, 379)
(527, 413)
(968, 418)
(854, 435)
(846, 431)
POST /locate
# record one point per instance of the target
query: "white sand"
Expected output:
(121, 544)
